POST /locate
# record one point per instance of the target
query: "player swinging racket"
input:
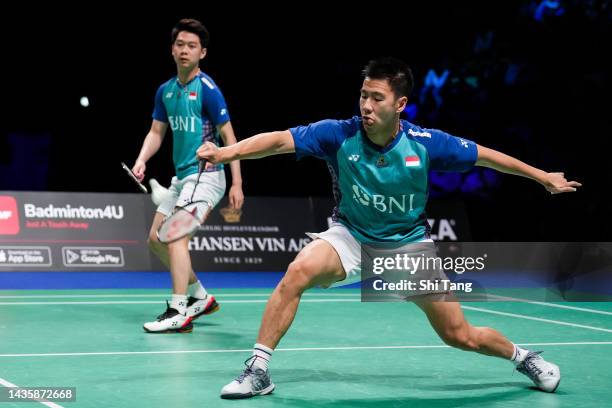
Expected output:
(192, 105)
(377, 153)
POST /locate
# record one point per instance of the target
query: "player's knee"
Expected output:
(459, 338)
(299, 276)
(153, 241)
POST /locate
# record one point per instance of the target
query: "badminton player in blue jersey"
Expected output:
(192, 105)
(379, 165)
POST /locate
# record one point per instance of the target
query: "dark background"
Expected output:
(282, 67)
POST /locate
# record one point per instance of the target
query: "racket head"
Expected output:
(183, 221)
(133, 177)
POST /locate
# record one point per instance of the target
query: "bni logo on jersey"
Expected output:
(9, 216)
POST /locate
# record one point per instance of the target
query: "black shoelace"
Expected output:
(248, 370)
(169, 313)
(529, 364)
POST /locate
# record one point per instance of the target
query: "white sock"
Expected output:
(197, 290)
(519, 354)
(179, 303)
(263, 355)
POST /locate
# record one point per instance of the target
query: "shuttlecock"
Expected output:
(159, 193)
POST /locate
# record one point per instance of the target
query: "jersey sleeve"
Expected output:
(213, 102)
(449, 153)
(320, 139)
(159, 111)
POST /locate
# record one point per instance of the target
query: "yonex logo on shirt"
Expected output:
(207, 83)
(463, 143)
(419, 134)
(353, 157)
(169, 95)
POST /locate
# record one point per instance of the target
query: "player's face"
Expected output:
(378, 105)
(187, 50)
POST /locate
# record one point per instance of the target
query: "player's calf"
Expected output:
(461, 338)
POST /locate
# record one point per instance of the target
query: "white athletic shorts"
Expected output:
(210, 189)
(348, 249)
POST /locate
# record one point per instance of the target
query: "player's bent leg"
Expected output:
(317, 264)
(180, 265)
(448, 321)
(158, 248)
(200, 302)
(161, 251)
(175, 318)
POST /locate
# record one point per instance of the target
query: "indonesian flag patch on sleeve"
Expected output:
(412, 161)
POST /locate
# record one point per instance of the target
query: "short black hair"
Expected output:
(396, 71)
(192, 26)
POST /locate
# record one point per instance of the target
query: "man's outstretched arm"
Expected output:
(555, 183)
(261, 145)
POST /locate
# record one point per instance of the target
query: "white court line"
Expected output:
(356, 300)
(161, 295)
(538, 319)
(350, 295)
(146, 302)
(575, 343)
(44, 402)
(548, 304)
(336, 348)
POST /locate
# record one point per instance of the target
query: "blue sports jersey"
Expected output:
(193, 111)
(381, 193)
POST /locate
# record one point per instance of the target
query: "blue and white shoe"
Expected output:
(253, 381)
(546, 376)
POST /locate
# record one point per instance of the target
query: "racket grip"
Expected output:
(201, 165)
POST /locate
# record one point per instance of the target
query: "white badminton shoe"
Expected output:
(198, 307)
(171, 321)
(546, 376)
(253, 381)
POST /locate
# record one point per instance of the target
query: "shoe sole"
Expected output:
(184, 329)
(265, 391)
(214, 307)
(556, 386)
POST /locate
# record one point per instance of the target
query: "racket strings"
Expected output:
(184, 220)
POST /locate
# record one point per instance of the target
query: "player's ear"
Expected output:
(203, 53)
(401, 103)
